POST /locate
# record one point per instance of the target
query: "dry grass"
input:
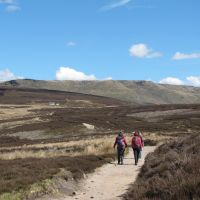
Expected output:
(157, 137)
(99, 146)
(23, 166)
(14, 111)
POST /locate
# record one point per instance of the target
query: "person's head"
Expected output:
(136, 133)
(120, 134)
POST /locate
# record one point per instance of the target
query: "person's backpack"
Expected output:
(120, 141)
(137, 142)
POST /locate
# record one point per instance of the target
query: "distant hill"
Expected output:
(53, 97)
(137, 92)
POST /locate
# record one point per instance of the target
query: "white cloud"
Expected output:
(67, 73)
(181, 56)
(12, 8)
(117, 4)
(11, 5)
(172, 81)
(71, 44)
(7, 1)
(108, 78)
(143, 51)
(7, 75)
(194, 80)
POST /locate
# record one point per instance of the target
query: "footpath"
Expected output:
(110, 181)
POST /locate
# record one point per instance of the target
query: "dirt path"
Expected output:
(111, 180)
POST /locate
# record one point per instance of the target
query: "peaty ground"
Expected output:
(110, 181)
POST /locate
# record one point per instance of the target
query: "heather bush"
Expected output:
(171, 172)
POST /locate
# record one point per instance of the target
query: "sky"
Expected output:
(153, 40)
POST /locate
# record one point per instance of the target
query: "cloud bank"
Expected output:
(143, 51)
(181, 56)
(194, 80)
(7, 75)
(67, 73)
(190, 80)
(171, 81)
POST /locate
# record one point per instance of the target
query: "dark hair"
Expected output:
(136, 132)
(120, 133)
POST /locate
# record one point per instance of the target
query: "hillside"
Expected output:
(171, 172)
(32, 96)
(67, 135)
(137, 92)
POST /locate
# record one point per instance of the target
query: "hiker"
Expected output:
(121, 143)
(137, 146)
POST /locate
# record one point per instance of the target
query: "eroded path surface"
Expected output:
(110, 181)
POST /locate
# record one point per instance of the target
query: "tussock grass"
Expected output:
(28, 170)
(59, 144)
(30, 154)
(23, 170)
(99, 146)
(171, 172)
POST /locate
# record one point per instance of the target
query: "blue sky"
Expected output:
(154, 40)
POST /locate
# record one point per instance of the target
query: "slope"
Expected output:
(137, 92)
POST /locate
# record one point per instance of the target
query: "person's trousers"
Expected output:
(120, 155)
(136, 152)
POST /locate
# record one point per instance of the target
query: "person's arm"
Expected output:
(115, 143)
(142, 142)
(132, 142)
(126, 145)
(141, 136)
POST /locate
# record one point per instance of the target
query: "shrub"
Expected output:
(171, 172)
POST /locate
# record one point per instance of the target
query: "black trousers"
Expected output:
(120, 155)
(136, 152)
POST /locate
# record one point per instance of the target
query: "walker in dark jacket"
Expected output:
(121, 143)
